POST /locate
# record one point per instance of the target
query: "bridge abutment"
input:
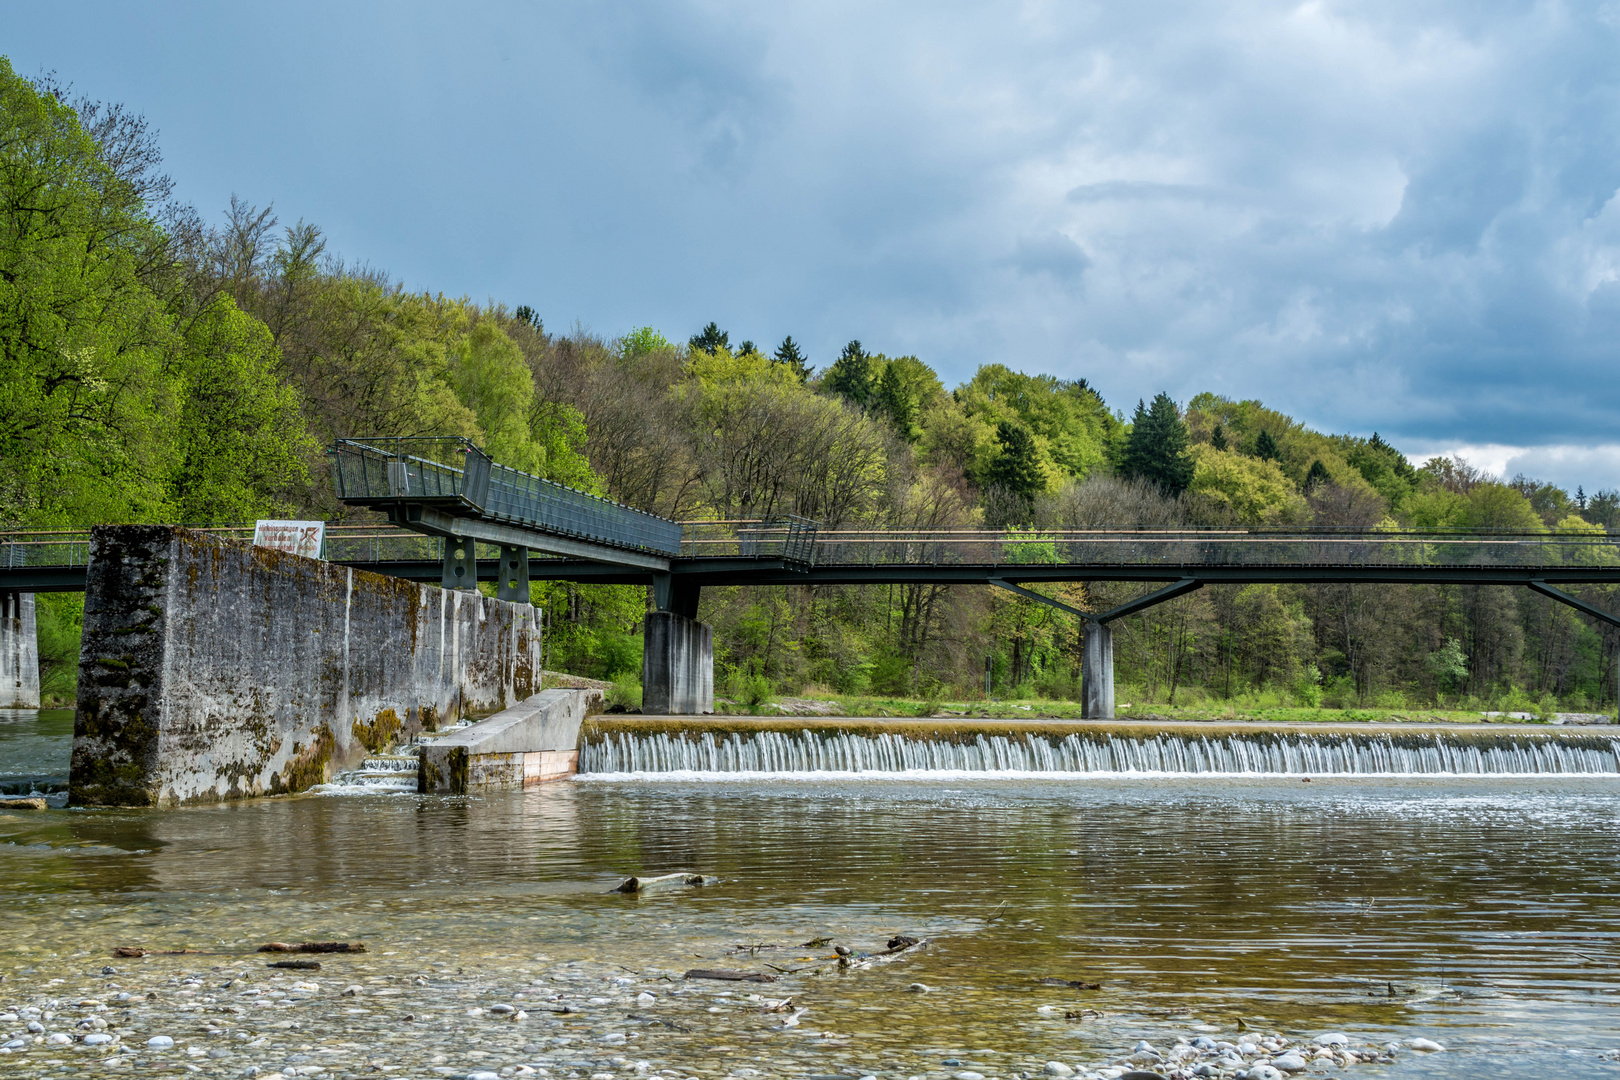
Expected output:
(19, 652)
(212, 669)
(677, 665)
(1097, 672)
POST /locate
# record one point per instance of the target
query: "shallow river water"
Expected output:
(1480, 913)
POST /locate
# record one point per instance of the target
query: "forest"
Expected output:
(159, 367)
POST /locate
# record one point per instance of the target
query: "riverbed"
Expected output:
(1479, 913)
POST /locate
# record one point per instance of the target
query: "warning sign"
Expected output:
(296, 537)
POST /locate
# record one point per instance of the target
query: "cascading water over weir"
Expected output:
(829, 752)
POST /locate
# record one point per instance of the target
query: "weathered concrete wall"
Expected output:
(213, 669)
(19, 652)
(528, 743)
(677, 665)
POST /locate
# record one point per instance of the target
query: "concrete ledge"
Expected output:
(532, 742)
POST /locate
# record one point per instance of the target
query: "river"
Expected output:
(1479, 912)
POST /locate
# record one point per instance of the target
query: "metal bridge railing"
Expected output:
(1213, 547)
(790, 538)
(461, 479)
(68, 548)
(802, 543)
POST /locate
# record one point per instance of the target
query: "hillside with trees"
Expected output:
(157, 367)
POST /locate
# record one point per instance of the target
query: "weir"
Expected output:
(616, 748)
(19, 652)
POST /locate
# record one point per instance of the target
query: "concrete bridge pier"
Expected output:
(677, 658)
(1097, 672)
(19, 652)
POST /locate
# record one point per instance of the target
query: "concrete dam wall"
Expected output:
(213, 669)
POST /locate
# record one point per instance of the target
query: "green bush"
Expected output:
(625, 693)
(60, 621)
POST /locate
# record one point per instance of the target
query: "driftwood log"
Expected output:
(728, 975)
(314, 947)
(297, 965)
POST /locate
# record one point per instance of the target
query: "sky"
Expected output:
(1375, 216)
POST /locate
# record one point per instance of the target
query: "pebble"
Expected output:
(919, 988)
(967, 1074)
(1263, 1072)
(1426, 1045)
(1332, 1038)
(160, 1042)
(1290, 1062)
(1057, 1068)
(481, 1075)
(503, 1010)
(58, 1039)
(645, 998)
(36, 1028)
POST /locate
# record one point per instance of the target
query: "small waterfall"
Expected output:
(697, 754)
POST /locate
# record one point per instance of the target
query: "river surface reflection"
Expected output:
(1479, 912)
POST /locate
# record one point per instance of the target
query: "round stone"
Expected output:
(1264, 1072)
(1428, 1046)
(160, 1042)
(97, 1038)
(58, 1039)
(1057, 1068)
(1332, 1038)
(1289, 1062)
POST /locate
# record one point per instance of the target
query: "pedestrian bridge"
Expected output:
(452, 516)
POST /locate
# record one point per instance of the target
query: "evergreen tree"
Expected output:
(711, 340)
(788, 353)
(852, 376)
(1316, 477)
(1217, 438)
(528, 316)
(898, 403)
(1580, 497)
(1157, 447)
(1266, 448)
(1018, 469)
(745, 348)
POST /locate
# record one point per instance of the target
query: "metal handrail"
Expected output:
(378, 471)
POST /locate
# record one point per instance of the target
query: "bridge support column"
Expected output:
(19, 652)
(460, 565)
(514, 580)
(677, 665)
(1097, 672)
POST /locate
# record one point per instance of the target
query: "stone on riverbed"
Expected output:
(1290, 1062)
(1428, 1046)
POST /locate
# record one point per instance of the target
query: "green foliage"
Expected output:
(1255, 492)
(789, 355)
(1018, 468)
(1217, 437)
(710, 339)
(853, 376)
(1073, 428)
(122, 396)
(1266, 448)
(625, 693)
(1317, 476)
(1448, 666)
(641, 341)
(59, 621)
(1157, 448)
